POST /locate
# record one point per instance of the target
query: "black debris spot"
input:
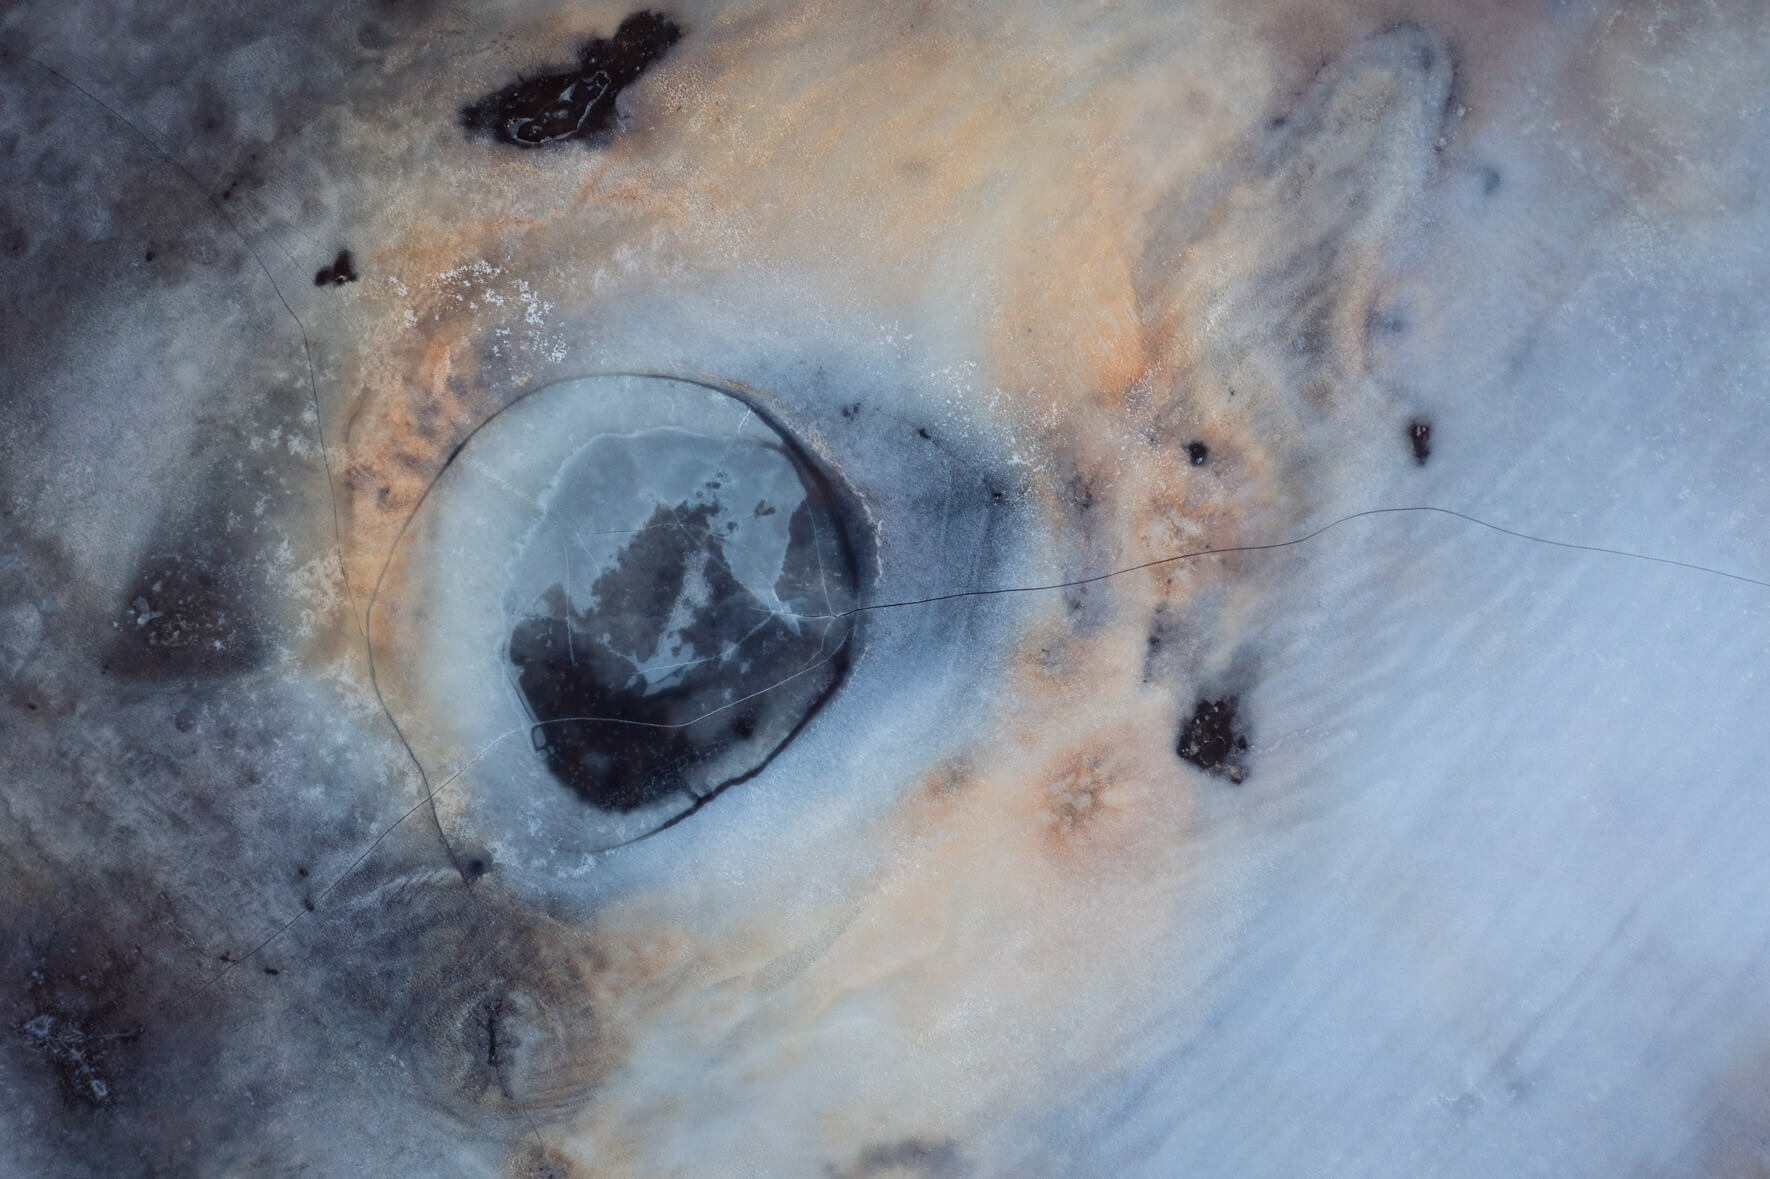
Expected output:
(1197, 452)
(1212, 741)
(849, 411)
(475, 867)
(922, 433)
(248, 176)
(148, 256)
(580, 101)
(185, 614)
(1490, 180)
(489, 1013)
(301, 873)
(1419, 436)
(307, 903)
(763, 508)
(272, 971)
(338, 273)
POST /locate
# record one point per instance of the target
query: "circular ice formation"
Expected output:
(625, 594)
(676, 612)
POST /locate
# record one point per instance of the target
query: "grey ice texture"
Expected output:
(1493, 901)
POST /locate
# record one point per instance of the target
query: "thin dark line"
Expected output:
(1297, 540)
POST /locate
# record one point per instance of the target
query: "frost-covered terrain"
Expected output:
(755, 589)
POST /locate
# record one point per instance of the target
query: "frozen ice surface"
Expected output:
(764, 589)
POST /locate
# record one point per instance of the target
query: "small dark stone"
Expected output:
(1198, 452)
(1212, 740)
(1419, 436)
(338, 273)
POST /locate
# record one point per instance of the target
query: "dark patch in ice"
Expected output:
(95, 1031)
(338, 273)
(1490, 180)
(1078, 489)
(927, 1158)
(1212, 740)
(1197, 453)
(1380, 321)
(741, 677)
(576, 102)
(373, 37)
(210, 116)
(185, 614)
(1419, 438)
(14, 241)
(77, 1038)
(1156, 647)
